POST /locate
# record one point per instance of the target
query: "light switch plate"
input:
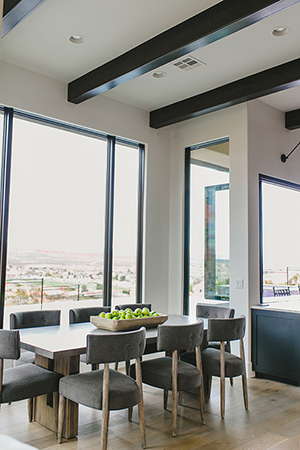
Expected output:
(239, 283)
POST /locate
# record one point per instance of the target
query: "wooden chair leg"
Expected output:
(174, 390)
(55, 409)
(141, 404)
(30, 409)
(244, 376)
(130, 411)
(245, 390)
(207, 385)
(180, 398)
(201, 393)
(61, 418)
(166, 392)
(127, 366)
(222, 379)
(116, 365)
(105, 410)
(95, 366)
(231, 381)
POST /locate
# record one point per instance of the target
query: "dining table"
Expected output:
(58, 348)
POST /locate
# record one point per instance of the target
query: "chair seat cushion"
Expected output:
(86, 389)
(25, 358)
(27, 381)
(234, 366)
(158, 372)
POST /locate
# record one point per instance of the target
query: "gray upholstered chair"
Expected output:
(80, 315)
(206, 311)
(222, 364)
(133, 306)
(107, 389)
(171, 374)
(31, 319)
(26, 381)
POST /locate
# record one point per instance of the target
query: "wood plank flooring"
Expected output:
(272, 422)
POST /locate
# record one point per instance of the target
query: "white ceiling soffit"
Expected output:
(111, 27)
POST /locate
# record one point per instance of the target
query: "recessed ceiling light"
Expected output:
(76, 39)
(160, 74)
(280, 31)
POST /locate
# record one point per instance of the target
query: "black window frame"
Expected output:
(187, 210)
(7, 148)
(276, 182)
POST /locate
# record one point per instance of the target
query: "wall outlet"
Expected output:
(239, 283)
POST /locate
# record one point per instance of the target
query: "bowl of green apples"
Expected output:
(128, 319)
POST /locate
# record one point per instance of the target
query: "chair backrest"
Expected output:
(79, 315)
(211, 311)
(107, 348)
(226, 329)
(9, 344)
(179, 337)
(31, 319)
(133, 306)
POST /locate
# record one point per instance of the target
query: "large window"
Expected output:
(280, 261)
(206, 275)
(74, 208)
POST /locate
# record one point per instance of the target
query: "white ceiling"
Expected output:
(111, 27)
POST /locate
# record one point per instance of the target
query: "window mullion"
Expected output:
(4, 201)
(109, 212)
(140, 225)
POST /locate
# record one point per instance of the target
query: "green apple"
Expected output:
(102, 314)
(115, 313)
(108, 316)
(128, 316)
(145, 311)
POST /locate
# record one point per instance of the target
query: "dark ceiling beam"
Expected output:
(14, 11)
(292, 119)
(214, 23)
(254, 86)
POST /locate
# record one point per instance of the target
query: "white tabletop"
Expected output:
(69, 340)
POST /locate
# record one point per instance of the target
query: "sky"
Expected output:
(281, 218)
(57, 198)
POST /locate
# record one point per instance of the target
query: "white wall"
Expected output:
(25, 90)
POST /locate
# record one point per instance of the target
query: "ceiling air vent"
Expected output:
(188, 63)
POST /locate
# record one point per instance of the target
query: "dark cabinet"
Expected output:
(276, 344)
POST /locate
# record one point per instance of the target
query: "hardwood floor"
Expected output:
(272, 422)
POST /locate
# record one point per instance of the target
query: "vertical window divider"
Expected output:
(109, 211)
(140, 225)
(187, 207)
(4, 201)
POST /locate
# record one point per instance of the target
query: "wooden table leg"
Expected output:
(68, 366)
(44, 406)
